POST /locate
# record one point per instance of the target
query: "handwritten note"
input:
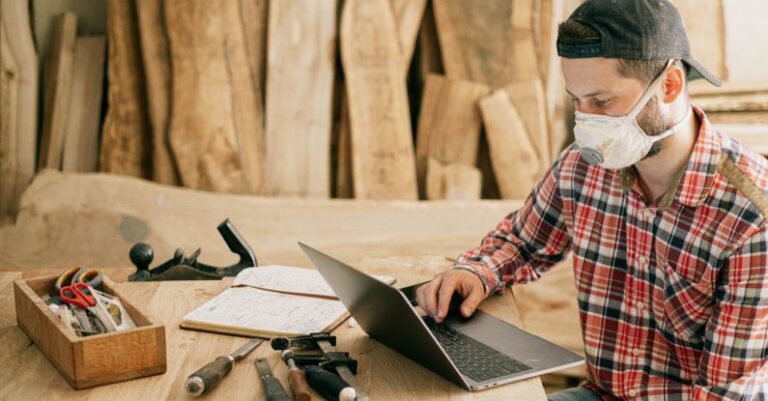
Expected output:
(254, 312)
(290, 279)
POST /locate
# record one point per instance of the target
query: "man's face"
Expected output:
(597, 88)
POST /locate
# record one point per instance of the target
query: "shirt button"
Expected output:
(640, 306)
(642, 260)
(636, 352)
(632, 393)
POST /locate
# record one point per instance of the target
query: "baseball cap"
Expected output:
(635, 29)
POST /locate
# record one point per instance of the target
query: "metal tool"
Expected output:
(78, 295)
(273, 390)
(80, 274)
(329, 385)
(187, 267)
(296, 378)
(206, 378)
(333, 360)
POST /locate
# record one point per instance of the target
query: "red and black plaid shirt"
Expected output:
(673, 297)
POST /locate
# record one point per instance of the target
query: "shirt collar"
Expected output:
(693, 184)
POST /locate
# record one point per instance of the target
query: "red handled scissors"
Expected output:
(79, 294)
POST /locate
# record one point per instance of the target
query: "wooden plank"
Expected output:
(9, 91)
(81, 146)
(95, 218)
(216, 130)
(524, 63)
(408, 15)
(345, 188)
(430, 59)
(452, 181)
(745, 35)
(57, 92)
(126, 136)
(18, 34)
(705, 26)
(382, 146)
(735, 102)
(157, 68)
(255, 14)
(449, 123)
(704, 88)
(300, 73)
(739, 117)
(476, 40)
(513, 156)
(529, 99)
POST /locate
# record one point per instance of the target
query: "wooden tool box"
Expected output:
(94, 360)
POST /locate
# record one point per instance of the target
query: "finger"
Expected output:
(444, 298)
(420, 292)
(430, 296)
(474, 298)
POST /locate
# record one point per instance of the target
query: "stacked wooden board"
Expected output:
(321, 99)
(375, 99)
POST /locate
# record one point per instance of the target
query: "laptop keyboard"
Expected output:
(473, 358)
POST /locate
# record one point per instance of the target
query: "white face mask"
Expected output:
(618, 142)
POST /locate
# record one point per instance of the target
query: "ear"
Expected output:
(674, 83)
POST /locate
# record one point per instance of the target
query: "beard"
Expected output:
(652, 122)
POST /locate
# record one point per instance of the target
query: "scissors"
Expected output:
(93, 278)
(80, 299)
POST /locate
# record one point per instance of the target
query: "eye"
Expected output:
(601, 102)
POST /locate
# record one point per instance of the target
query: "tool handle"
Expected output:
(299, 385)
(326, 383)
(207, 377)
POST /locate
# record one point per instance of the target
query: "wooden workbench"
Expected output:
(25, 374)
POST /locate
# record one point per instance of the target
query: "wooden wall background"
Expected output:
(364, 99)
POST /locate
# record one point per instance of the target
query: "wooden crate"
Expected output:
(94, 360)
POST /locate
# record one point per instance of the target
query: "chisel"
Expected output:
(296, 378)
(273, 390)
(207, 377)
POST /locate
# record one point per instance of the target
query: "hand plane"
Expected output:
(187, 267)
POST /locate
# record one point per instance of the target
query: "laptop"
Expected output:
(475, 353)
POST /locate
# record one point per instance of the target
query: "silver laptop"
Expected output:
(476, 353)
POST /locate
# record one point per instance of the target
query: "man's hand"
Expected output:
(435, 296)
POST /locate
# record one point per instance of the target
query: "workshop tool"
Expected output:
(78, 295)
(296, 378)
(187, 267)
(333, 360)
(329, 385)
(273, 390)
(206, 378)
(93, 278)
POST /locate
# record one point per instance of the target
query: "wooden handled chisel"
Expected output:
(273, 390)
(207, 377)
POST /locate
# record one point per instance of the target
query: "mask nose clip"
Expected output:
(592, 156)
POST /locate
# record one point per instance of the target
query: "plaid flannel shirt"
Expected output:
(673, 296)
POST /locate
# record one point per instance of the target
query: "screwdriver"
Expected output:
(207, 377)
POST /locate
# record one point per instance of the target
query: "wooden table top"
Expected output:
(25, 373)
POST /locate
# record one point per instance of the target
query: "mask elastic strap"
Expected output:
(649, 92)
(673, 128)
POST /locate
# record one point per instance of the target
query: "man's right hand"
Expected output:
(435, 296)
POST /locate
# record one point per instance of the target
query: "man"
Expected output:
(665, 217)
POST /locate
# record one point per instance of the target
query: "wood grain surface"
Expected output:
(301, 65)
(382, 146)
(386, 374)
(126, 136)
